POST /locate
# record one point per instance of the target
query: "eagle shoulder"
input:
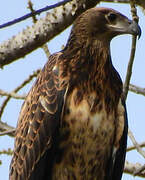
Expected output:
(38, 121)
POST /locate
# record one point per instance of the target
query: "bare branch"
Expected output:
(130, 148)
(30, 6)
(43, 31)
(46, 50)
(138, 148)
(35, 73)
(7, 152)
(7, 132)
(139, 170)
(12, 94)
(44, 47)
(137, 89)
(131, 168)
(34, 13)
(5, 127)
(138, 2)
(133, 48)
(117, 1)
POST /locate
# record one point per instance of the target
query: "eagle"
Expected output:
(73, 123)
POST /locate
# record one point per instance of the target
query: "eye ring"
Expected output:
(112, 17)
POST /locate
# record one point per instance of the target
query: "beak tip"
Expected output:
(139, 32)
(136, 29)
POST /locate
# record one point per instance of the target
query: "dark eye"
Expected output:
(112, 17)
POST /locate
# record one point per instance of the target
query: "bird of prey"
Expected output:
(73, 123)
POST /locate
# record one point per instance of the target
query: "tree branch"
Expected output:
(131, 168)
(139, 170)
(117, 1)
(137, 89)
(35, 73)
(33, 13)
(5, 127)
(141, 3)
(43, 31)
(44, 47)
(11, 94)
(130, 148)
(138, 148)
(133, 48)
(7, 132)
(7, 152)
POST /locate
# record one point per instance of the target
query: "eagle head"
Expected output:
(104, 24)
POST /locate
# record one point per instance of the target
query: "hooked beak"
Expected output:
(125, 26)
(134, 29)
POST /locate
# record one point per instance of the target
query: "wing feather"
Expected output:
(37, 124)
(116, 163)
(121, 152)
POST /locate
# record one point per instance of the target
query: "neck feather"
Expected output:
(89, 68)
(91, 58)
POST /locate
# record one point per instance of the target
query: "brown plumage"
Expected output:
(73, 123)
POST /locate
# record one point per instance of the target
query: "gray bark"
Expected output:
(44, 30)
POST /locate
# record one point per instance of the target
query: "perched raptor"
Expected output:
(73, 123)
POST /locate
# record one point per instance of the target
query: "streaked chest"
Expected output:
(89, 112)
(86, 138)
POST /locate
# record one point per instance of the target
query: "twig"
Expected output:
(5, 127)
(46, 50)
(117, 1)
(130, 148)
(11, 94)
(33, 13)
(35, 73)
(130, 168)
(141, 3)
(138, 148)
(44, 47)
(133, 48)
(30, 6)
(139, 170)
(137, 89)
(7, 132)
(7, 152)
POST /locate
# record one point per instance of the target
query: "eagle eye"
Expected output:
(112, 17)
